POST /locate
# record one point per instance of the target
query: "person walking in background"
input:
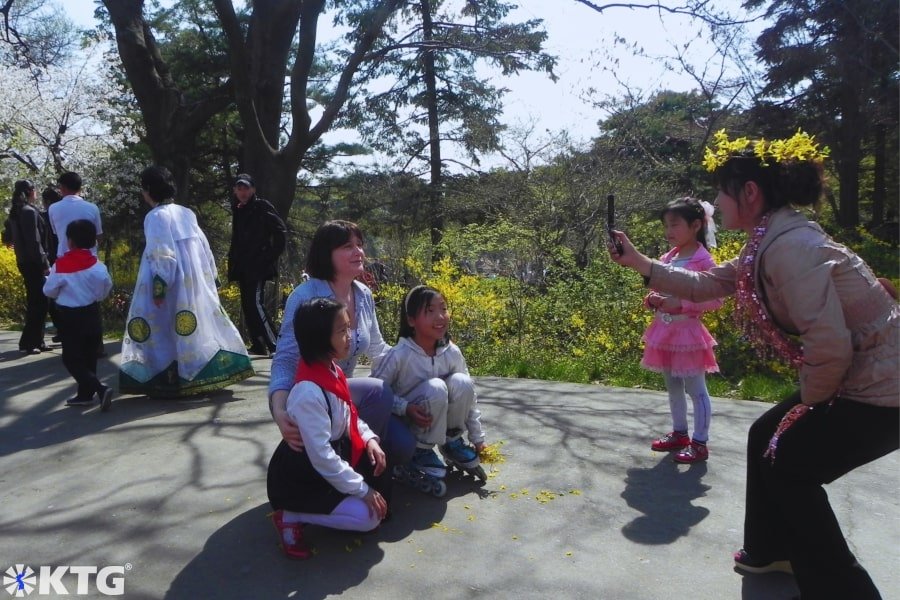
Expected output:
(78, 282)
(676, 343)
(178, 340)
(28, 235)
(49, 197)
(812, 303)
(257, 241)
(69, 208)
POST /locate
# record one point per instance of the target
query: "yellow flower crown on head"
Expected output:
(801, 146)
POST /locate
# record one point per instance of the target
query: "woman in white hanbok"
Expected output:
(178, 340)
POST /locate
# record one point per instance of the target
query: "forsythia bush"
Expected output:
(122, 264)
(734, 354)
(579, 325)
(878, 254)
(12, 290)
(477, 307)
(230, 297)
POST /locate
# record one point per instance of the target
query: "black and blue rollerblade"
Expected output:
(425, 472)
(463, 457)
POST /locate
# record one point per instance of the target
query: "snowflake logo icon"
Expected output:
(19, 580)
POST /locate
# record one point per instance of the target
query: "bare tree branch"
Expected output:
(8, 30)
(698, 9)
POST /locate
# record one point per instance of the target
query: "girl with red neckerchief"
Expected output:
(806, 300)
(339, 478)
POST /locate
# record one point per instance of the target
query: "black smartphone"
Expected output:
(611, 223)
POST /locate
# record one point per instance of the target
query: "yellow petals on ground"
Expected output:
(491, 455)
(357, 542)
(545, 496)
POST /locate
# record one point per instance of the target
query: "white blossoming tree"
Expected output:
(60, 119)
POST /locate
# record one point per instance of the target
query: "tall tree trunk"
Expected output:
(879, 185)
(170, 123)
(269, 38)
(848, 168)
(259, 69)
(850, 132)
(258, 73)
(436, 185)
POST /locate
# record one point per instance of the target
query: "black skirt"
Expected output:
(294, 484)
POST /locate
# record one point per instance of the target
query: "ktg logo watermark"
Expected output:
(21, 580)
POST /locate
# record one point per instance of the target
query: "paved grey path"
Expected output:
(580, 509)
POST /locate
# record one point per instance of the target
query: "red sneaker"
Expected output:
(671, 441)
(693, 453)
(291, 537)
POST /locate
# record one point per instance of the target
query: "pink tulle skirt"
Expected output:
(683, 348)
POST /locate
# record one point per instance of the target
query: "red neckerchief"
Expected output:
(331, 378)
(75, 260)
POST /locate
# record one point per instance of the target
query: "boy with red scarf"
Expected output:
(78, 282)
(340, 478)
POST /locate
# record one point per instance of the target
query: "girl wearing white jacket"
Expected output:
(432, 385)
(339, 479)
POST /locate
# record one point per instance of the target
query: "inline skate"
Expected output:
(425, 472)
(463, 457)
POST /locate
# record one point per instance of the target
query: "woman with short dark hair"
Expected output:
(335, 260)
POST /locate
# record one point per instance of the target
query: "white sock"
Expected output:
(291, 517)
(351, 514)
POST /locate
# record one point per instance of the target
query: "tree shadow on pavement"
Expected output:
(664, 495)
(34, 414)
(242, 559)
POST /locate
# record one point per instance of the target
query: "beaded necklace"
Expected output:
(751, 314)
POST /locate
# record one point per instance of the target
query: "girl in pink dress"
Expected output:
(676, 343)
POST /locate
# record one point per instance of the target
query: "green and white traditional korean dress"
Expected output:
(178, 339)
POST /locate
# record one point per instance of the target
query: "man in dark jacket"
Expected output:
(257, 240)
(28, 234)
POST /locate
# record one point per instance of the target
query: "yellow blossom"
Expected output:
(799, 147)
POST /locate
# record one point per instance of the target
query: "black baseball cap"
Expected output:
(244, 179)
